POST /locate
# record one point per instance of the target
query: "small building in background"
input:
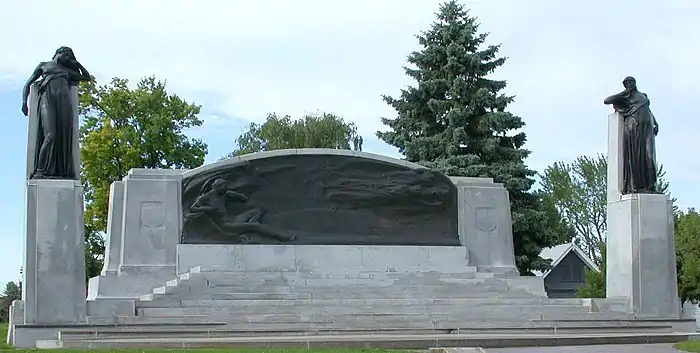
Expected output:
(568, 272)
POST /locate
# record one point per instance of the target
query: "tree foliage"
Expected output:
(688, 254)
(594, 287)
(578, 192)
(455, 121)
(124, 128)
(11, 293)
(314, 130)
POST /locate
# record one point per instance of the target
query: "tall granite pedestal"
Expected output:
(641, 257)
(54, 259)
(53, 279)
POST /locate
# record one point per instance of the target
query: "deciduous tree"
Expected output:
(578, 191)
(594, 287)
(315, 130)
(124, 128)
(688, 254)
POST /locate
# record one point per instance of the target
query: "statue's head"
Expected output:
(219, 184)
(64, 55)
(630, 83)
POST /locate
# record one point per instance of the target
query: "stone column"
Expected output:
(114, 229)
(615, 177)
(54, 260)
(54, 254)
(485, 225)
(144, 224)
(641, 257)
(151, 221)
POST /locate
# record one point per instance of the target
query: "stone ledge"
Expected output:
(379, 341)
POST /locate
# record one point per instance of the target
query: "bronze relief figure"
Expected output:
(639, 131)
(55, 112)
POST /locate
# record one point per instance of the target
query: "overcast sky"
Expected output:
(242, 59)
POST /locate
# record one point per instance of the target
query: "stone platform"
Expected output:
(372, 341)
(156, 291)
(241, 292)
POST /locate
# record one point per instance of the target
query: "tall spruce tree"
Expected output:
(455, 121)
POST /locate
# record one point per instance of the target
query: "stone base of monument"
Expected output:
(54, 261)
(156, 292)
(279, 295)
(641, 258)
(349, 296)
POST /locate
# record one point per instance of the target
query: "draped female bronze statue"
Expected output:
(55, 112)
(639, 128)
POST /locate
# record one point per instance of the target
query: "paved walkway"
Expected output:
(627, 348)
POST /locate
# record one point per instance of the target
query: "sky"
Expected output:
(242, 59)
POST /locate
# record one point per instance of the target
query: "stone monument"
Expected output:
(641, 262)
(54, 259)
(304, 242)
(313, 242)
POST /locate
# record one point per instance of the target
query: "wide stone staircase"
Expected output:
(360, 301)
(299, 300)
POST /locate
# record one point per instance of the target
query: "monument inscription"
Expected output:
(319, 200)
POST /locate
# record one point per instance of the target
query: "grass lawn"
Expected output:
(3, 336)
(688, 346)
(6, 348)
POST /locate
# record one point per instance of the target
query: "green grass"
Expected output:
(3, 336)
(4, 347)
(688, 346)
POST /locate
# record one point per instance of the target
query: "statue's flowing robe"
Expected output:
(54, 139)
(639, 172)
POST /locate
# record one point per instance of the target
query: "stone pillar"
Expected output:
(32, 103)
(641, 261)
(152, 220)
(615, 177)
(113, 242)
(54, 260)
(641, 256)
(144, 226)
(485, 225)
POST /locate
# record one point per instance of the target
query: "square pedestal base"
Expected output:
(641, 259)
(54, 261)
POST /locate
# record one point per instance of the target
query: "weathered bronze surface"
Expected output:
(320, 200)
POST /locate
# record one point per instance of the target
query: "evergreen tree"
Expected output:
(455, 121)
(11, 293)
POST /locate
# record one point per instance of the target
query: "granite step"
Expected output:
(457, 269)
(325, 295)
(311, 287)
(167, 321)
(374, 341)
(167, 303)
(367, 322)
(228, 277)
(378, 315)
(200, 282)
(491, 327)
